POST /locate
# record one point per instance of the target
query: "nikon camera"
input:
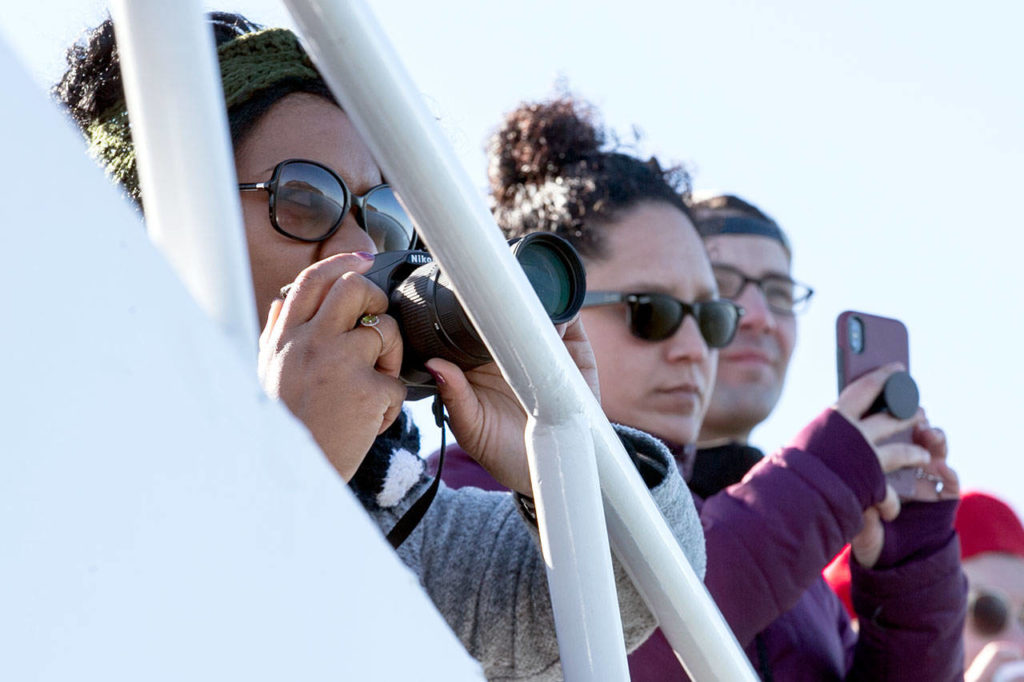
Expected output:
(433, 323)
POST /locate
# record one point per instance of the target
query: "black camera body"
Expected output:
(432, 321)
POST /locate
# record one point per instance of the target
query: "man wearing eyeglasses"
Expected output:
(750, 256)
(801, 620)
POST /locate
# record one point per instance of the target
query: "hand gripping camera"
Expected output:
(433, 323)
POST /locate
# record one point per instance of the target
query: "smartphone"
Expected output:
(863, 343)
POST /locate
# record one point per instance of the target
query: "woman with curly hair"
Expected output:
(316, 211)
(655, 320)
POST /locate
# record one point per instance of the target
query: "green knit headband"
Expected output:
(249, 65)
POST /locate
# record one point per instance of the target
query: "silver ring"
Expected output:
(936, 480)
(371, 321)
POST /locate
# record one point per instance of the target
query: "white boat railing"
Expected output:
(193, 210)
(162, 519)
(576, 460)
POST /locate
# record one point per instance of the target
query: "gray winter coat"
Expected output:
(480, 562)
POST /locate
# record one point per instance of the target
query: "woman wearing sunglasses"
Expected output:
(651, 311)
(655, 320)
(316, 210)
(992, 547)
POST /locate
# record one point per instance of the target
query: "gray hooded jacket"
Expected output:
(479, 559)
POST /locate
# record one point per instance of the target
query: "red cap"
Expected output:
(987, 524)
(837, 575)
(984, 523)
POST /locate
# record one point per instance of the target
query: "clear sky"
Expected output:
(886, 138)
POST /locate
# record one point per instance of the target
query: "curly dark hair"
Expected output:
(549, 171)
(91, 85)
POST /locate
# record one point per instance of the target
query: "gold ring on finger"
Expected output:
(370, 321)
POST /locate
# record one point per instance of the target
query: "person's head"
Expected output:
(550, 171)
(992, 550)
(279, 109)
(751, 258)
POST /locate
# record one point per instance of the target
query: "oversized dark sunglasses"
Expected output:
(656, 317)
(990, 613)
(308, 202)
(783, 295)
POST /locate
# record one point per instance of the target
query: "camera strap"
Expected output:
(412, 517)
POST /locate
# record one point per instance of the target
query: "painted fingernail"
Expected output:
(438, 379)
(365, 255)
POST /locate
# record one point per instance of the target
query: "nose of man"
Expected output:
(757, 316)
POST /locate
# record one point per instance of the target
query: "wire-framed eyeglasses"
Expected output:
(783, 295)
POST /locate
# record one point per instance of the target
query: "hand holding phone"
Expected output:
(865, 342)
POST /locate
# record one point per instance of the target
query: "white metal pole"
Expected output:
(572, 531)
(703, 641)
(361, 68)
(358, 63)
(179, 129)
(183, 149)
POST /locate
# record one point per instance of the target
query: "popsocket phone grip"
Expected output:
(899, 397)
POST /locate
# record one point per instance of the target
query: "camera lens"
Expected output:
(855, 330)
(542, 269)
(555, 273)
(433, 323)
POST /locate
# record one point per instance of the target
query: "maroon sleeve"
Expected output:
(912, 604)
(769, 536)
(461, 470)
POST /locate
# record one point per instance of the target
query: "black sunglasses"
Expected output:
(990, 613)
(656, 317)
(783, 295)
(309, 201)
